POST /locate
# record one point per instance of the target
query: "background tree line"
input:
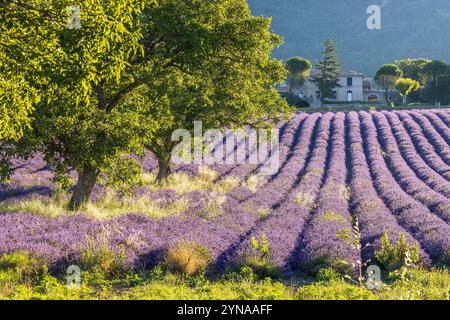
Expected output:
(416, 80)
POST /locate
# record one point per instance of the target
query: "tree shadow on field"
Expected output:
(151, 258)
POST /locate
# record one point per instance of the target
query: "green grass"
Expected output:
(23, 277)
(423, 285)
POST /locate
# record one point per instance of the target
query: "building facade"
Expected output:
(350, 89)
(374, 93)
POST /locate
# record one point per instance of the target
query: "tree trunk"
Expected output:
(83, 190)
(164, 170)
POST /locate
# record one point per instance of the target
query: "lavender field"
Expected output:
(387, 171)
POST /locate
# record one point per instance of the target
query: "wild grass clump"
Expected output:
(333, 216)
(114, 203)
(262, 212)
(111, 206)
(108, 206)
(258, 259)
(420, 284)
(254, 182)
(187, 258)
(206, 180)
(98, 256)
(47, 206)
(328, 274)
(212, 206)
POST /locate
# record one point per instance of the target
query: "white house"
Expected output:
(351, 88)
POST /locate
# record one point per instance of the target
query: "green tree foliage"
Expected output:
(299, 70)
(232, 83)
(428, 93)
(295, 101)
(80, 76)
(413, 68)
(328, 70)
(434, 70)
(387, 77)
(405, 86)
(45, 59)
(109, 88)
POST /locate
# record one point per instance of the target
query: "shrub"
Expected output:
(327, 275)
(291, 98)
(23, 264)
(19, 268)
(98, 257)
(258, 259)
(187, 258)
(295, 101)
(302, 104)
(393, 257)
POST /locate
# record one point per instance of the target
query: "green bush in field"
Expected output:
(395, 256)
(19, 268)
(258, 259)
(101, 259)
(328, 274)
(23, 264)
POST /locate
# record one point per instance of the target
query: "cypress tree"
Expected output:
(328, 70)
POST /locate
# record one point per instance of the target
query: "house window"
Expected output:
(349, 96)
(349, 82)
(317, 94)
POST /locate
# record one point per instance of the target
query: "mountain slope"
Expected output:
(410, 28)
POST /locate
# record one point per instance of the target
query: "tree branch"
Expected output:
(101, 96)
(122, 93)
